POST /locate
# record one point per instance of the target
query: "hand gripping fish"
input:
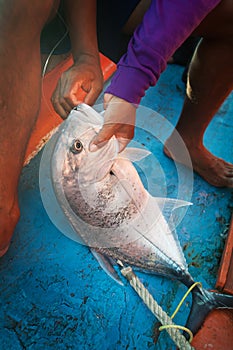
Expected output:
(98, 199)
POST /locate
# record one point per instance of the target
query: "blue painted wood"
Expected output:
(53, 293)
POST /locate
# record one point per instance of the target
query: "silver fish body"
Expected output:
(108, 208)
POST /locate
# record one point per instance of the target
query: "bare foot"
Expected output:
(8, 221)
(214, 170)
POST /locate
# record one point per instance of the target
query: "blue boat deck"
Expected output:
(54, 294)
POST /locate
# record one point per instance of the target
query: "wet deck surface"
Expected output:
(54, 295)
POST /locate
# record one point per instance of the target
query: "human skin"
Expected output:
(209, 83)
(21, 22)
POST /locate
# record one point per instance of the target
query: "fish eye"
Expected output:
(77, 147)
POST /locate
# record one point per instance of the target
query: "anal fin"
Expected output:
(107, 266)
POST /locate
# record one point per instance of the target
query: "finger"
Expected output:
(73, 95)
(92, 95)
(64, 98)
(122, 142)
(92, 91)
(70, 89)
(60, 110)
(102, 137)
(66, 106)
(61, 107)
(56, 103)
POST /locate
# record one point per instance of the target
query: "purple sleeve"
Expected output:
(165, 26)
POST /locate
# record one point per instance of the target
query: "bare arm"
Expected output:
(83, 81)
(81, 19)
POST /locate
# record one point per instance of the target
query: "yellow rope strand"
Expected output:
(177, 309)
(171, 328)
(184, 297)
(182, 328)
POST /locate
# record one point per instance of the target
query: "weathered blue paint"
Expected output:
(53, 293)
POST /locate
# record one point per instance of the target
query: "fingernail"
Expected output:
(93, 147)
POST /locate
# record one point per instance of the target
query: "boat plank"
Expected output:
(225, 274)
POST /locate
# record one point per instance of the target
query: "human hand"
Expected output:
(119, 120)
(82, 82)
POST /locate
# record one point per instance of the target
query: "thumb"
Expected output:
(101, 138)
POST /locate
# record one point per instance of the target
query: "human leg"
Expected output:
(21, 23)
(209, 83)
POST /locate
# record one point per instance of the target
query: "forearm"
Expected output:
(165, 26)
(81, 19)
(83, 81)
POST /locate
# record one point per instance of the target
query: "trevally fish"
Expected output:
(98, 199)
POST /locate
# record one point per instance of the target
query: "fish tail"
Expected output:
(203, 301)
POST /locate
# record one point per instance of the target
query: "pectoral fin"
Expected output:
(172, 203)
(134, 154)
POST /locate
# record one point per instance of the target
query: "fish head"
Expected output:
(72, 153)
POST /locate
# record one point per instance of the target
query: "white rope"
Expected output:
(151, 303)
